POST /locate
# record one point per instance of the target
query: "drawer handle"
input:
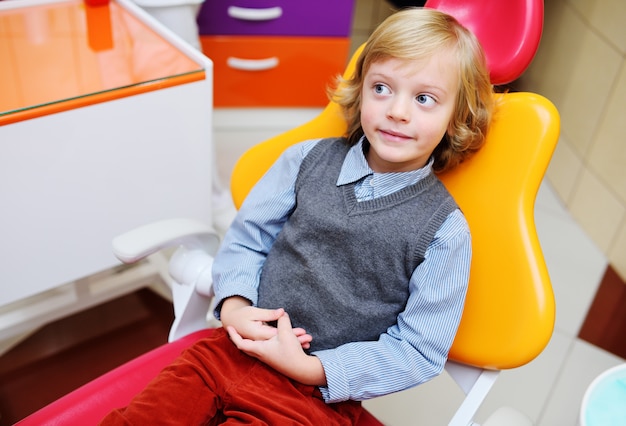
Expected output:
(255, 14)
(252, 64)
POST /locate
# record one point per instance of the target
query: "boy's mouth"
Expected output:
(393, 135)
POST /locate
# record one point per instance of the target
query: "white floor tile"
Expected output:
(583, 364)
(433, 403)
(548, 202)
(231, 144)
(238, 129)
(527, 388)
(575, 264)
(262, 118)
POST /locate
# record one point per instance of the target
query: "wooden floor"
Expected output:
(70, 352)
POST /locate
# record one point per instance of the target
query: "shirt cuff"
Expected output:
(219, 300)
(337, 387)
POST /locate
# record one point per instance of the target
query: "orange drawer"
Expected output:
(251, 71)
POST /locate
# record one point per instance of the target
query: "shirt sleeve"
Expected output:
(238, 262)
(415, 349)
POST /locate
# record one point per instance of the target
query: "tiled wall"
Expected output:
(605, 324)
(367, 15)
(580, 66)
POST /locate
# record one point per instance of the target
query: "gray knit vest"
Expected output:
(340, 267)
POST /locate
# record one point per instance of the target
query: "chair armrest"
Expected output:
(190, 266)
(141, 242)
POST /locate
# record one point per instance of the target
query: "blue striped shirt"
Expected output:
(412, 351)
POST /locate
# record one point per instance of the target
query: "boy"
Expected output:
(344, 274)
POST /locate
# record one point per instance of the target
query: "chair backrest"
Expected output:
(508, 30)
(510, 309)
(509, 313)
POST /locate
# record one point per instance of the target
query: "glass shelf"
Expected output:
(56, 56)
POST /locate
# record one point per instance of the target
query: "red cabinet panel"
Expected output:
(274, 71)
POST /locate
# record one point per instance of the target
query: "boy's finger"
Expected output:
(242, 344)
(269, 315)
(305, 338)
(299, 331)
(234, 336)
(284, 324)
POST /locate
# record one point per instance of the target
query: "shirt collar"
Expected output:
(355, 168)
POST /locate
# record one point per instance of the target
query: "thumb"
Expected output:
(284, 323)
(269, 315)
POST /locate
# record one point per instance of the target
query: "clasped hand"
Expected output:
(281, 347)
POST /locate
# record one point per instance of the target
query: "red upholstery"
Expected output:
(89, 403)
(509, 31)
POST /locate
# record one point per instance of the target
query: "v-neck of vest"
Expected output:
(353, 206)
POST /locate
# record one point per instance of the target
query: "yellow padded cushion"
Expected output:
(509, 311)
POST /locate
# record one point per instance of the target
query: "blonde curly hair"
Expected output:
(418, 33)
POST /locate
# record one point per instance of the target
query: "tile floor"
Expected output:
(550, 389)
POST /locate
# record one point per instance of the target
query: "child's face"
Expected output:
(406, 108)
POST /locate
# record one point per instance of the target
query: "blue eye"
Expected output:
(425, 99)
(380, 89)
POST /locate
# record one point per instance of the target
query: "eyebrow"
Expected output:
(377, 74)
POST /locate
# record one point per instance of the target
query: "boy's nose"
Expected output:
(399, 110)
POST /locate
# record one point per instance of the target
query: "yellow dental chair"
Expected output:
(509, 313)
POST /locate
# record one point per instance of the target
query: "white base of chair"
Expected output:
(507, 416)
(475, 383)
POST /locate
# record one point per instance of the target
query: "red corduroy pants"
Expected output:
(214, 383)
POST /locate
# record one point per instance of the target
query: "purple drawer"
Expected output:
(276, 17)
